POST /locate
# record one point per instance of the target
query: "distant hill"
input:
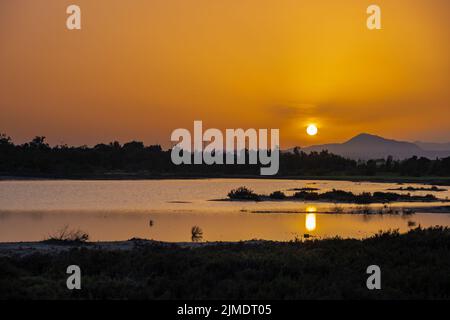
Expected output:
(431, 146)
(367, 146)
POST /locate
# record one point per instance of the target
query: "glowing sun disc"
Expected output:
(311, 130)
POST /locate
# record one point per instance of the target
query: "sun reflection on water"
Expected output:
(310, 219)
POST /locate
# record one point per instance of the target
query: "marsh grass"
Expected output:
(66, 235)
(196, 234)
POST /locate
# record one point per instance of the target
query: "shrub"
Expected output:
(306, 195)
(339, 196)
(364, 198)
(243, 193)
(279, 195)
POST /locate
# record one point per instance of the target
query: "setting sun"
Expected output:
(311, 130)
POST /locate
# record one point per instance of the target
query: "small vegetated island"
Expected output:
(334, 196)
(413, 189)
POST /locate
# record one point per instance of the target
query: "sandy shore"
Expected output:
(27, 248)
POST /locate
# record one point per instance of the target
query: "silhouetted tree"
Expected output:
(37, 158)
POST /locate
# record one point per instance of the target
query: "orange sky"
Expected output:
(139, 69)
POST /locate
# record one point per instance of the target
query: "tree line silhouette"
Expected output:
(38, 158)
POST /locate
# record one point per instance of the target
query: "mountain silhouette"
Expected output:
(366, 146)
(432, 146)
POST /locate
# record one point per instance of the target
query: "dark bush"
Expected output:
(242, 193)
(279, 195)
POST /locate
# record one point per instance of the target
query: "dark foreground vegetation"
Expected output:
(135, 160)
(335, 196)
(413, 265)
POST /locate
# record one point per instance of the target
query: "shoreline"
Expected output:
(32, 247)
(438, 181)
(292, 199)
(405, 211)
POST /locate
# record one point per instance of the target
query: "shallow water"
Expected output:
(120, 210)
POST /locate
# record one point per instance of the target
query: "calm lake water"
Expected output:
(166, 210)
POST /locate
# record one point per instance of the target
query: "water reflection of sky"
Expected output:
(120, 210)
(176, 226)
(166, 194)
